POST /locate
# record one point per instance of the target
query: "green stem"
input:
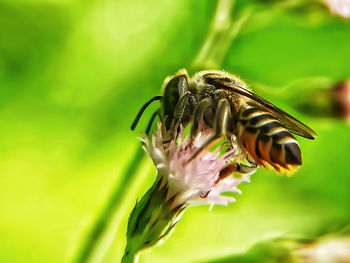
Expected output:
(112, 205)
(292, 89)
(129, 257)
(222, 32)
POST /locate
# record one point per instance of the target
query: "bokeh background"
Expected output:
(73, 75)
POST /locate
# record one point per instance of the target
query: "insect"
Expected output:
(223, 102)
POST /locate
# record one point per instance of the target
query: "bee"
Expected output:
(222, 102)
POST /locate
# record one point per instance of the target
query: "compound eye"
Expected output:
(176, 87)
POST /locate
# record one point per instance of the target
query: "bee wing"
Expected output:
(288, 121)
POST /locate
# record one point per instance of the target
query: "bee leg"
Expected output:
(211, 141)
(249, 159)
(236, 168)
(222, 119)
(198, 115)
(221, 122)
(245, 169)
(178, 114)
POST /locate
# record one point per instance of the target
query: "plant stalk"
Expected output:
(120, 189)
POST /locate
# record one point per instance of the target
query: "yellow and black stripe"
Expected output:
(267, 140)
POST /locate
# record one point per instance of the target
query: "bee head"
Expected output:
(173, 88)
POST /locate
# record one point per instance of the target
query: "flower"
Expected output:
(327, 249)
(197, 181)
(185, 177)
(339, 7)
(324, 98)
(341, 99)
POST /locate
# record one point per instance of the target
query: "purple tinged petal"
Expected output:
(195, 182)
(339, 7)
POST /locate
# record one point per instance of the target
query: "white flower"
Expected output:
(339, 7)
(331, 249)
(197, 181)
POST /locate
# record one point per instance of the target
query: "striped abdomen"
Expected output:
(267, 141)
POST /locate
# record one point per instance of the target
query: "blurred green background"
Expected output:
(73, 75)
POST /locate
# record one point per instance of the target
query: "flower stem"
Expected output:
(111, 206)
(129, 257)
(223, 31)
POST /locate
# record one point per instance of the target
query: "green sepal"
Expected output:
(152, 218)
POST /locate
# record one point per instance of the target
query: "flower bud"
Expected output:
(327, 101)
(340, 95)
